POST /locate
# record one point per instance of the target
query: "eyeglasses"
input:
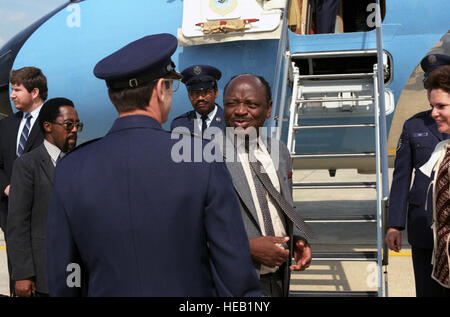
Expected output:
(175, 83)
(69, 125)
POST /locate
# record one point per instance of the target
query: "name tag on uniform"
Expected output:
(420, 134)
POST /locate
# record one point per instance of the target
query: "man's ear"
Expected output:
(48, 127)
(160, 89)
(269, 110)
(35, 93)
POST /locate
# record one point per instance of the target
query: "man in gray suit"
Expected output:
(273, 238)
(30, 194)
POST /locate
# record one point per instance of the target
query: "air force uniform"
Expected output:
(407, 205)
(199, 77)
(133, 221)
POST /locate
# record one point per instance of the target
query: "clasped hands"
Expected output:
(267, 251)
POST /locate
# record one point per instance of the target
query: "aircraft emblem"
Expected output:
(223, 7)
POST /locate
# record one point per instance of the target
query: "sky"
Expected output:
(16, 15)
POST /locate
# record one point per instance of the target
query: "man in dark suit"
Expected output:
(133, 222)
(273, 237)
(407, 203)
(30, 194)
(19, 133)
(201, 84)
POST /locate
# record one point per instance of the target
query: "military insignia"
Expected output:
(218, 119)
(432, 59)
(197, 70)
(223, 7)
(420, 134)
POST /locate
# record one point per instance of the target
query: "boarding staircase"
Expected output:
(336, 95)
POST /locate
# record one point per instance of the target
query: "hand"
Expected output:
(265, 250)
(24, 288)
(394, 239)
(302, 256)
(6, 191)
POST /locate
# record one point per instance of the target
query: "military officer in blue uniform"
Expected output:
(407, 204)
(201, 83)
(127, 220)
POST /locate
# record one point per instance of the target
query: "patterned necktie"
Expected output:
(24, 135)
(204, 124)
(281, 201)
(263, 205)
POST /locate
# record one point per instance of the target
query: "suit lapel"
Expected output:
(191, 118)
(238, 177)
(218, 120)
(46, 163)
(35, 131)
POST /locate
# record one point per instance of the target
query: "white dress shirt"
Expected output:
(53, 151)
(208, 120)
(262, 155)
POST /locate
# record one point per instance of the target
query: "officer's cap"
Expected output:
(199, 77)
(433, 61)
(139, 62)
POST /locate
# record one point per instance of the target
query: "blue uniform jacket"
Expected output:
(139, 224)
(407, 205)
(187, 120)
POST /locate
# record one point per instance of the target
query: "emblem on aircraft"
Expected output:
(223, 7)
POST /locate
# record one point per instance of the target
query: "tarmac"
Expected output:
(344, 237)
(331, 275)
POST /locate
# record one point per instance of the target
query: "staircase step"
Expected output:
(333, 294)
(333, 126)
(350, 185)
(333, 155)
(341, 219)
(345, 256)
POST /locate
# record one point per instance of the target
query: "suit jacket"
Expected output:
(30, 194)
(407, 203)
(140, 224)
(9, 127)
(248, 210)
(188, 120)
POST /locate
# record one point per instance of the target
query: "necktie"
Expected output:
(282, 203)
(24, 135)
(204, 124)
(260, 192)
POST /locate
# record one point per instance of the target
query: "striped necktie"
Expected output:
(284, 205)
(24, 135)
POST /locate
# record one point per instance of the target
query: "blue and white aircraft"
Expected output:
(243, 36)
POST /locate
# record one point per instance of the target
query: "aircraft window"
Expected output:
(315, 16)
